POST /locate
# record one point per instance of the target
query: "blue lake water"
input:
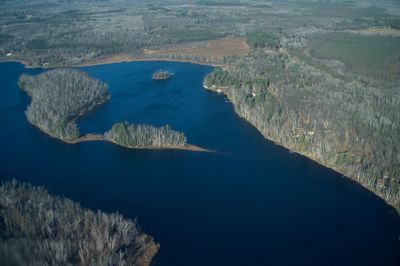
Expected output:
(254, 204)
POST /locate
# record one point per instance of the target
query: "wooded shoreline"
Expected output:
(308, 155)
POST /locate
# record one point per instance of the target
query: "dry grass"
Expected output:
(215, 49)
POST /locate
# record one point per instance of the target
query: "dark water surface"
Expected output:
(257, 205)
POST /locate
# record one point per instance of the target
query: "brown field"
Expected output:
(215, 49)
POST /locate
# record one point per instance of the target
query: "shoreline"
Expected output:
(310, 156)
(116, 59)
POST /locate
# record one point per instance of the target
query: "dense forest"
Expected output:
(145, 136)
(262, 40)
(59, 97)
(40, 229)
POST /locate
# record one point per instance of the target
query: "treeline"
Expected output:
(59, 97)
(69, 33)
(343, 123)
(262, 40)
(145, 136)
(41, 229)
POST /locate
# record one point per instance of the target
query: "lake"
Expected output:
(254, 203)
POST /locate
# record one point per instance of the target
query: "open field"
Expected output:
(369, 55)
(217, 49)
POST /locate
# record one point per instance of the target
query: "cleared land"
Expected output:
(215, 49)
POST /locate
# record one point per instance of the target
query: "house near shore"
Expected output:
(382, 182)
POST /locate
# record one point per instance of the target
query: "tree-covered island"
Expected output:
(41, 229)
(162, 74)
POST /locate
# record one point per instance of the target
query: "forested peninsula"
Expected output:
(41, 229)
(61, 96)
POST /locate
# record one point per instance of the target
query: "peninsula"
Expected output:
(59, 98)
(42, 229)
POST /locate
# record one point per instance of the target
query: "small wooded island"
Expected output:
(42, 229)
(162, 74)
(61, 96)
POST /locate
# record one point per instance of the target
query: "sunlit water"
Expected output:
(254, 204)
